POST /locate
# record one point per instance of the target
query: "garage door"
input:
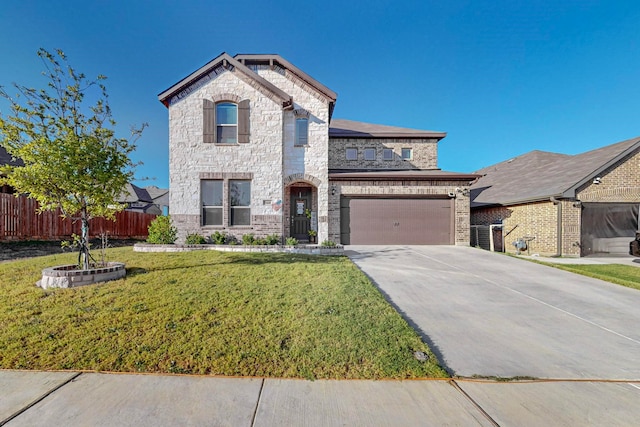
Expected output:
(385, 221)
(607, 228)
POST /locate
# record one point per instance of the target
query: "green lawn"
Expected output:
(206, 312)
(624, 275)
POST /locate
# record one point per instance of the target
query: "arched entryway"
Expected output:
(301, 206)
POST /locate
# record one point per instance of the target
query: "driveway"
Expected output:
(487, 314)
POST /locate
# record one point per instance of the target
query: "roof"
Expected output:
(340, 128)
(8, 159)
(227, 62)
(272, 59)
(387, 175)
(539, 175)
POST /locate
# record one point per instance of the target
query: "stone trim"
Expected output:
(226, 175)
(301, 177)
(226, 97)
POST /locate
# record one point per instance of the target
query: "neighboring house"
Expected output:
(8, 159)
(564, 205)
(253, 149)
(150, 199)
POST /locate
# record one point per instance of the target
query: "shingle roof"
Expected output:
(7, 159)
(340, 128)
(387, 175)
(538, 175)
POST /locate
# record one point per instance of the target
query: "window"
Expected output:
(240, 202)
(407, 154)
(387, 154)
(369, 153)
(211, 195)
(302, 131)
(352, 154)
(226, 123)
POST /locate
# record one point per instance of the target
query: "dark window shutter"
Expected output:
(209, 121)
(243, 122)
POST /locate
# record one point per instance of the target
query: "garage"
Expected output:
(397, 221)
(607, 228)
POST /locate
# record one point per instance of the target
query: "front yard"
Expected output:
(206, 312)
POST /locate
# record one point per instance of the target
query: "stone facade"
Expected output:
(424, 153)
(271, 157)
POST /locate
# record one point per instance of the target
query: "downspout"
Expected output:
(558, 203)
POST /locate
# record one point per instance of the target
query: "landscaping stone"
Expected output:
(302, 249)
(69, 276)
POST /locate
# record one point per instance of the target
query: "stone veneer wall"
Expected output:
(359, 187)
(425, 153)
(309, 163)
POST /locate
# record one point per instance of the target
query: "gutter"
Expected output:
(558, 203)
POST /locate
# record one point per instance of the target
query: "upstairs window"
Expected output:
(302, 131)
(387, 154)
(369, 153)
(407, 154)
(226, 123)
(211, 194)
(352, 154)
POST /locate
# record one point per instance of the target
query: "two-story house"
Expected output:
(253, 149)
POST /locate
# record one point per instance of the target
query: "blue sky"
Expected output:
(500, 77)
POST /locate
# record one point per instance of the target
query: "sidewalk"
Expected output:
(92, 399)
(603, 259)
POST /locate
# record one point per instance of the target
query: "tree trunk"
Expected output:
(84, 241)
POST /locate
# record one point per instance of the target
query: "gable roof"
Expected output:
(230, 64)
(273, 59)
(339, 128)
(539, 175)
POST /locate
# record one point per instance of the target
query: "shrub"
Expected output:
(162, 231)
(195, 239)
(272, 239)
(329, 243)
(219, 238)
(260, 241)
(291, 241)
(248, 239)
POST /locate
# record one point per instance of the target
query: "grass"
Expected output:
(624, 275)
(206, 312)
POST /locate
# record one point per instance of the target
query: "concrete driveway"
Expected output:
(487, 314)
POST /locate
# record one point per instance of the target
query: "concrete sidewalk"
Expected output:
(92, 399)
(602, 259)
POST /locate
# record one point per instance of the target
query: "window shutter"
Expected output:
(209, 121)
(243, 122)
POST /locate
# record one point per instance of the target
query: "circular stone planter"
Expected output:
(69, 276)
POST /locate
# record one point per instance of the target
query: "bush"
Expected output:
(260, 241)
(248, 239)
(219, 238)
(291, 241)
(329, 244)
(162, 231)
(195, 239)
(272, 239)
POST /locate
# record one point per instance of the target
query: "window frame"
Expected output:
(370, 150)
(220, 125)
(351, 150)
(298, 136)
(204, 207)
(390, 153)
(410, 156)
(235, 207)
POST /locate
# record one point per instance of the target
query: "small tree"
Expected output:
(72, 159)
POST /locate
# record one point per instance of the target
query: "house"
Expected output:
(563, 205)
(150, 199)
(8, 159)
(254, 148)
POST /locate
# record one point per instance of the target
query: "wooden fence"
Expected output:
(20, 221)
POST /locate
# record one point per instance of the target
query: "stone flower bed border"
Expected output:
(69, 276)
(301, 249)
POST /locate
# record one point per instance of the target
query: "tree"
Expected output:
(72, 158)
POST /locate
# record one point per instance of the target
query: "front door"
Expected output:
(300, 205)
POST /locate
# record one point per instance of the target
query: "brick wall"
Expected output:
(425, 153)
(619, 183)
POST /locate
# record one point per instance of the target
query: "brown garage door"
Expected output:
(379, 221)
